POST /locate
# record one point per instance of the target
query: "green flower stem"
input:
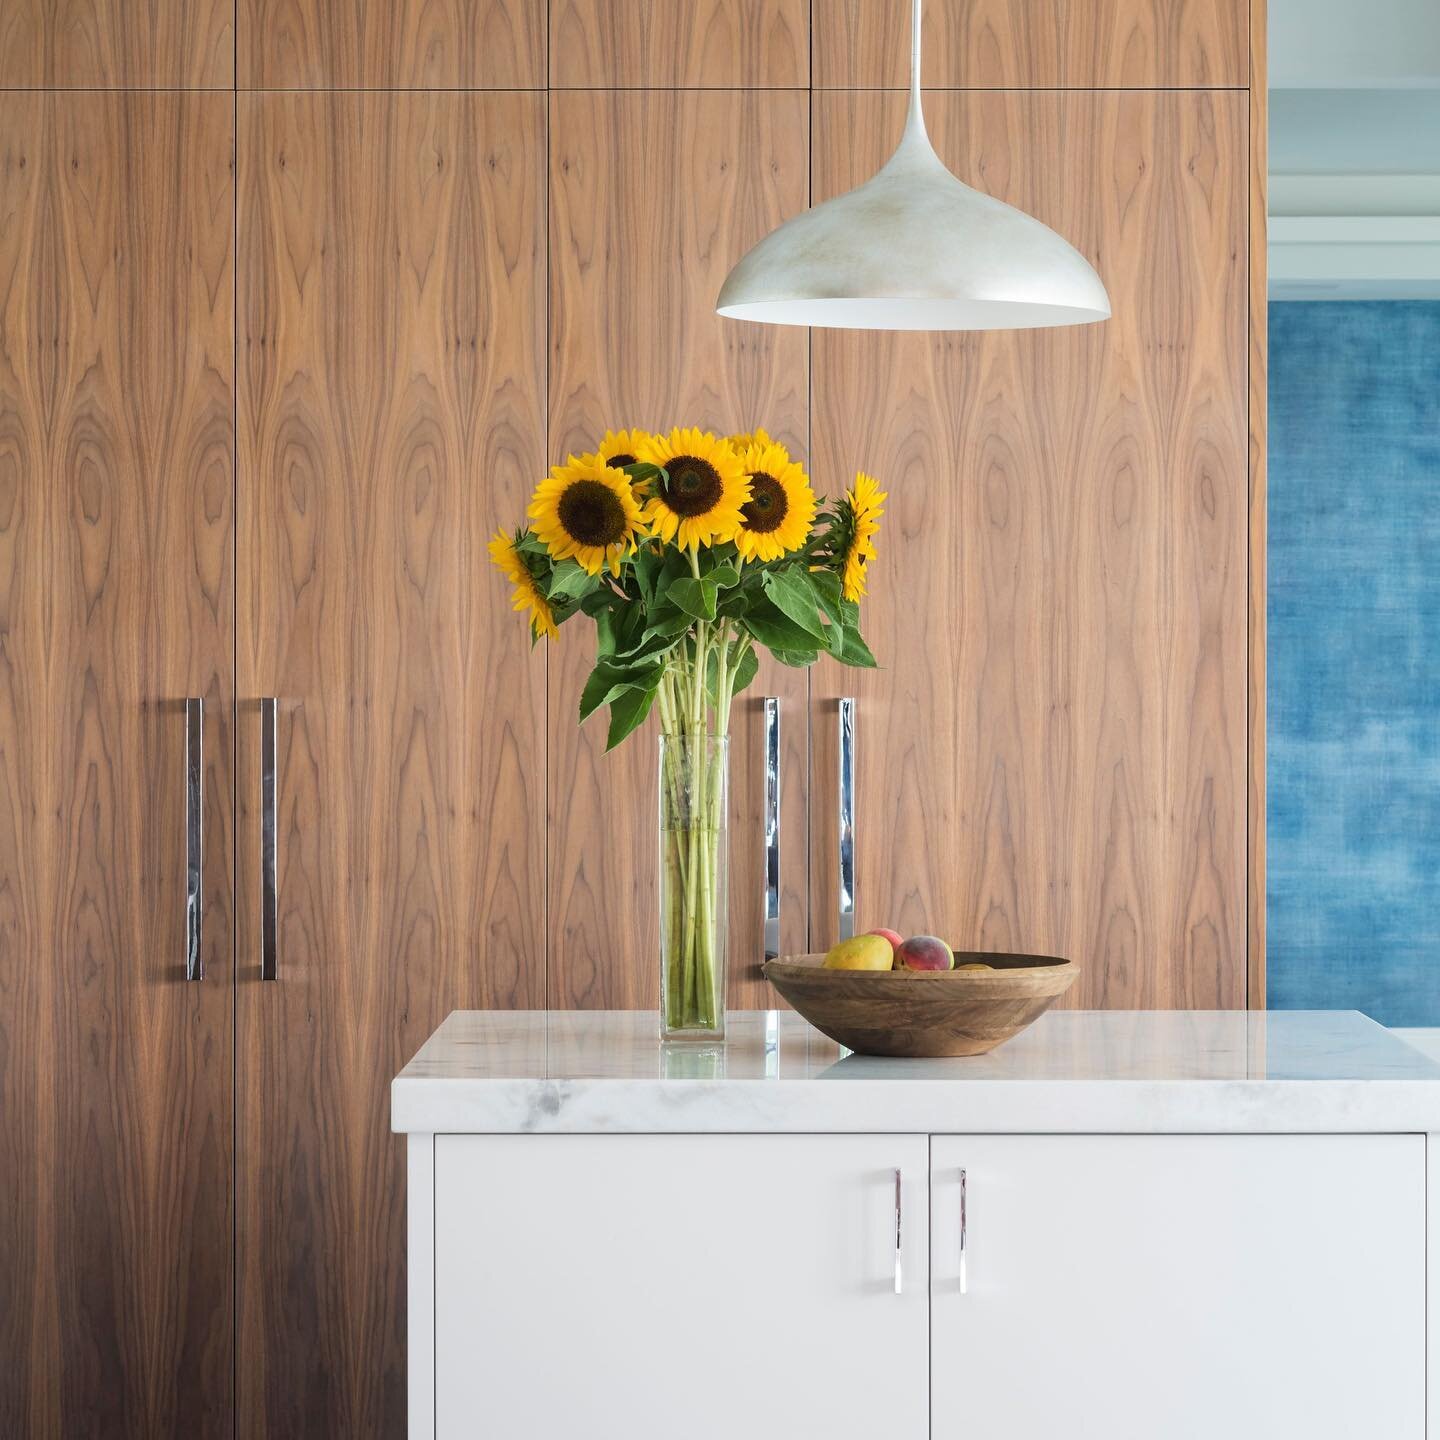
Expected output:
(693, 781)
(694, 904)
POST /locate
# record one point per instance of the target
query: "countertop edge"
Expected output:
(894, 1105)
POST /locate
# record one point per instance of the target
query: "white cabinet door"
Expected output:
(1179, 1287)
(621, 1287)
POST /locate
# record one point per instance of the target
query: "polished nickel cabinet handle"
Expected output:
(898, 1276)
(269, 886)
(772, 827)
(847, 818)
(194, 838)
(964, 1277)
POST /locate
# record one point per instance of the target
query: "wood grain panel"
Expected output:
(1034, 44)
(116, 602)
(1053, 757)
(392, 417)
(1259, 404)
(653, 197)
(398, 44)
(705, 44)
(104, 44)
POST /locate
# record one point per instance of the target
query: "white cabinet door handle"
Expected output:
(897, 1233)
(964, 1279)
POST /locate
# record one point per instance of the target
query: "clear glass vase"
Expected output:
(694, 810)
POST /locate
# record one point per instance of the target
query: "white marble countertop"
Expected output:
(1072, 1071)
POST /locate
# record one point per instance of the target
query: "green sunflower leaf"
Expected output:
(745, 671)
(647, 647)
(619, 629)
(570, 582)
(605, 637)
(796, 659)
(828, 593)
(669, 623)
(694, 597)
(855, 652)
(610, 677)
(775, 630)
(645, 567)
(628, 712)
(792, 593)
(827, 588)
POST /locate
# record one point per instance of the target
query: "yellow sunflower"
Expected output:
(587, 511)
(866, 504)
(620, 448)
(742, 443)
(776, 518)
(700, 502)
(527, 594)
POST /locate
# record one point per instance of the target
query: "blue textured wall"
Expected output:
(1353, 910)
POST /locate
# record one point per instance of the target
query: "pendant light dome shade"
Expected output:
(914, 249)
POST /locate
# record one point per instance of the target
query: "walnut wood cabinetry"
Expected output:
(297, 300)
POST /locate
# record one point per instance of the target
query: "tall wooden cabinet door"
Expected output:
(1052, 756)
(639, 1287)
(1185, 1286)
(391, 304)
(116, 605)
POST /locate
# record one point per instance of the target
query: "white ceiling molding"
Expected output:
(1354, 195)
(1350, 194)
(1350, 257)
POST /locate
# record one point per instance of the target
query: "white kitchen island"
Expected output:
(1129, 1225)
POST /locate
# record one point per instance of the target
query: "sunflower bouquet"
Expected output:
(691, 552)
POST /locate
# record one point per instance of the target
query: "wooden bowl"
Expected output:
(923, 1012)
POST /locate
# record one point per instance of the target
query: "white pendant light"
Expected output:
(914, 249)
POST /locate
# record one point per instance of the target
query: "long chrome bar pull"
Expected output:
(847, 818)
(194, 838)
(772, 827)
(898, 1277)
(964, 1277)
(269, 883)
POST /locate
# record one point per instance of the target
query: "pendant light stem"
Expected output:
(915, 119)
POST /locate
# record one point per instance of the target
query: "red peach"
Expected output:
(925, 952)
(896, 940)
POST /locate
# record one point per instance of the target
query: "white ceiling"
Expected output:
(1354, 149)
(1349, 45)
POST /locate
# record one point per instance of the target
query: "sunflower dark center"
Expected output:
(766, 508)
(695, 486)
(592, 514)
(619, 462)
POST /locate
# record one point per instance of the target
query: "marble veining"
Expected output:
(1123, 1071)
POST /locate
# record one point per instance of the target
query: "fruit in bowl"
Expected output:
(929, 1012)
(861, 952)
(924, 952)
(882, 949)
